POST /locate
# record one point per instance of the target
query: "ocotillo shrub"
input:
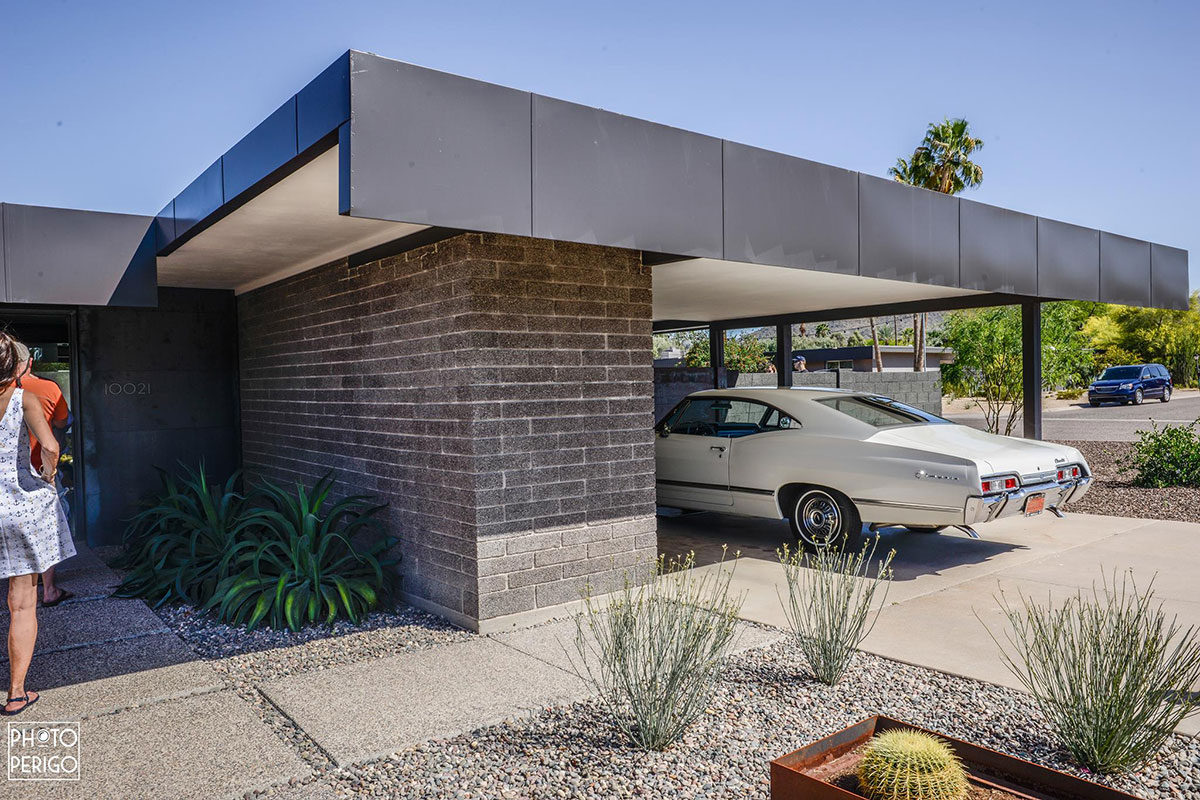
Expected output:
(1110, 672)
(653, 651)
(829, 604)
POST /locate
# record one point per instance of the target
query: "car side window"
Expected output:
(728, 418)
(1145, 373)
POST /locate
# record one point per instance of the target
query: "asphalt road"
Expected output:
(1107, 423)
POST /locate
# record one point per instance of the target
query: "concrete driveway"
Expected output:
(1079, 422)
(943, 599)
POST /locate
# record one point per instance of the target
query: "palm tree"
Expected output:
(942, 162)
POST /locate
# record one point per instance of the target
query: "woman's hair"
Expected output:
(8, 360)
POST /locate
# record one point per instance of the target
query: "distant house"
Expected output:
(896, 358)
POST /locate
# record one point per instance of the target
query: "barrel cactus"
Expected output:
(909, 765)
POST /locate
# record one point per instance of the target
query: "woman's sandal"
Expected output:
(63, 596)
(25, 699)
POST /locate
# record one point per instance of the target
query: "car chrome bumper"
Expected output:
(1009, 504)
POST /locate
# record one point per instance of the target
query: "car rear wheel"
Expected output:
(1138, 397)
(1166, 396)
(823, 519)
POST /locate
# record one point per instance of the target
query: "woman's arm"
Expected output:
(36, 420)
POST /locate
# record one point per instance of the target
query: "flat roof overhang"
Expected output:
(64, 256)
(376, 153)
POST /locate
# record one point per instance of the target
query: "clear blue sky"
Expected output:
(1090, 111)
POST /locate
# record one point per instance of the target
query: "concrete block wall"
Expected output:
(920, 389)
(497, 391)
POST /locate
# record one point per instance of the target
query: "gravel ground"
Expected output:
(764, 708)
(1114, 494)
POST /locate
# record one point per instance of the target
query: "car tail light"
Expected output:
(990, 485)
(1069, 473)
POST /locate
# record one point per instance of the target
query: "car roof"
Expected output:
(775, 394)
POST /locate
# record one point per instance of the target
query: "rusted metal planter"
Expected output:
(798, 775)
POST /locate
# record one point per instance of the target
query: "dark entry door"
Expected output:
(50, 337)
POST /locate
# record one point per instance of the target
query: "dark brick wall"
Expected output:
(496, 390)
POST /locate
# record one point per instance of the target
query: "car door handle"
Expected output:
(717, 448)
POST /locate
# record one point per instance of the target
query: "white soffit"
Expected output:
(291, 227)
(708, 289)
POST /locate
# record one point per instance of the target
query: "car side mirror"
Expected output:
(664, 431)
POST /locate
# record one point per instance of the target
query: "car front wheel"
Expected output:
(822, 519)
(1166, 397)
(1138, 397)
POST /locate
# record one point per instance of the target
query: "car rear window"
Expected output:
(881, 412)
(1121, 373)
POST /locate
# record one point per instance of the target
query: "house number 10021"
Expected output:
(127, 388)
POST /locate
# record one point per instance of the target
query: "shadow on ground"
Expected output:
(711, 535)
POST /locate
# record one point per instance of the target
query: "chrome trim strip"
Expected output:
(910, 506)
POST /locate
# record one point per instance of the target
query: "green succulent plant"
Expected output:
(909, 765)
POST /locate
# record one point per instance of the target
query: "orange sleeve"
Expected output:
(60, 409)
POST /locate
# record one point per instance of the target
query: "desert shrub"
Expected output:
(654, 651)
(902, 764)
(1069, 394)
(304, 566)
(273, 556)
(183, 541)
(1167, 456)
(1111, 674)
(829, 602)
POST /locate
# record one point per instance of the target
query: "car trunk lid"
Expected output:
(994, 453)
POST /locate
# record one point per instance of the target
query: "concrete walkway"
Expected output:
(158, 722)
(943, 599)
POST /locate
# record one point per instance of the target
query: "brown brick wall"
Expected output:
(496, 390)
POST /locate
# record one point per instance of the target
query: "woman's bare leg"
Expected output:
(22, 633)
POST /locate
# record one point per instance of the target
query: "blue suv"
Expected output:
(1131, 384)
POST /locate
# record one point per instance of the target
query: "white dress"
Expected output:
(34, 534)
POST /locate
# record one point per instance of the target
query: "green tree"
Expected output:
(942, 161)
(743, 353)
(987, 357)
(1126, 334)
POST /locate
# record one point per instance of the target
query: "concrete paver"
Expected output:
(87, 681)
(93, 621)
(211, 746)
(370, 709)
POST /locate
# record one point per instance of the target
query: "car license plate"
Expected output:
(1035, 504)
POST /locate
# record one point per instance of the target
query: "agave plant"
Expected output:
(185, 540)
(313, 560)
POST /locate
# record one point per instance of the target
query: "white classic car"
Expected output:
(829, 461)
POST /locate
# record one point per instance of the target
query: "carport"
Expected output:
(446, 290)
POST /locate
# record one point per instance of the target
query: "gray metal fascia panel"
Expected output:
(263, 150)
(907, 233)
(998, 249)
(608, 179)
(789, 211)
(202, 197)
(432, 148)
(1124, 270)
(70, 257)
(1068, 261)
(1168, 277)
(164, 226)
(324, 104)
